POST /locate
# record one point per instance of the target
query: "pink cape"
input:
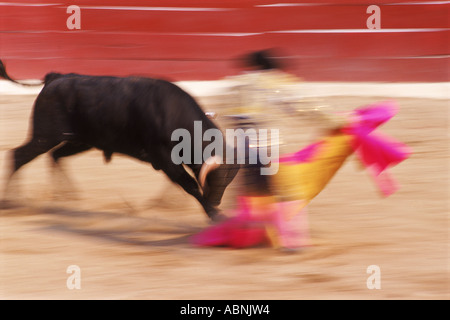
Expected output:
(304, 155)
(377, 152)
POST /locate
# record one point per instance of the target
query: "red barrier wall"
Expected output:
(200, 39)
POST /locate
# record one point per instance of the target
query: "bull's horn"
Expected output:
(211, 115)
(210, 164)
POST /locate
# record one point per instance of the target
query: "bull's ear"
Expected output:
(209, 165)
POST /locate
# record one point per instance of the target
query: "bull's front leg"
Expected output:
(179, 175)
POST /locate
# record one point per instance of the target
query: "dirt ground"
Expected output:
(129, 229)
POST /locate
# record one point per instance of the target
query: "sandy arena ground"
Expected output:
(129, 229)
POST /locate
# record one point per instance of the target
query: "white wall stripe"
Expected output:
(141, 8)
(275, 5)
(239, 34)
(418, 3)
(397, 30)
(124, 8)
(18, 4)
(132, 8)
(439, 90)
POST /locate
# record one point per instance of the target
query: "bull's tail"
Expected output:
(5, 75)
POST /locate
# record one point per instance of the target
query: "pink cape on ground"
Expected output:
(240, 231)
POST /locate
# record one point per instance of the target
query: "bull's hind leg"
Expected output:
(20, 157)
(62, 184)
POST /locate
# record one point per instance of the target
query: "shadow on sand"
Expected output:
(114, 226)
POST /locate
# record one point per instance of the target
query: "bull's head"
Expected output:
(215, 177)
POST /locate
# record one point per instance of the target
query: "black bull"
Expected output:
(134, 116)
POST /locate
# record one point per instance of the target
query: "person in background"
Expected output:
(267, 97)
